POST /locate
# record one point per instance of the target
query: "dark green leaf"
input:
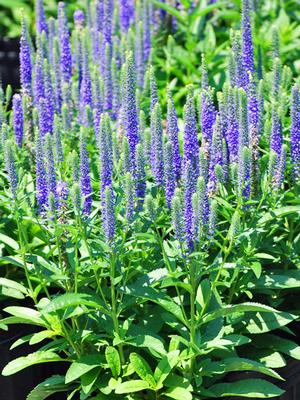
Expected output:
(258, 388)
(50, 386)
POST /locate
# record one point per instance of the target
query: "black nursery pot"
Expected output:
(9, 62)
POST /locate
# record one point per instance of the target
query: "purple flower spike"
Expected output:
(85, 180)
(125, 14)
(62, 193)
(147, 31)
(108, 215)
(189, 189)
(49, 95)
(10, 167)
(106, 155)
(253, 106)
(25, 60)
(39, 90)
(200, 209)
(153, 89)
(129, 110)
(280, 170)
(50, 166)
(43, 118)
(41, 180)
(295, 132)
(240, 73)
(172, 132)
(216, 154)
(18, 119)
(169, 173)
(244, 172)
(108, 91)
(139, 54)
(79, 18)
(65, 48)
(99, 15)
(107, 20)
(86, 97)
(208, 116)
(41, 22)
(190, 140)
(232, 133)
(157, 162)
(247, 45)
(276, 133)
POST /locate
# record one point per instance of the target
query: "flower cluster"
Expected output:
(95, 88)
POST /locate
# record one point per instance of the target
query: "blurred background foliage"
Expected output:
(205, 29)
(193, 28)
(10, 13)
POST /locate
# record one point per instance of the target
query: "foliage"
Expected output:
(138, 296)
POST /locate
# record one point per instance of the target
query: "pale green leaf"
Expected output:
(142, 369)
(178, 393)
(82, 366)
(131, 387)
(113, 361)
(165, 366)
(38, 357)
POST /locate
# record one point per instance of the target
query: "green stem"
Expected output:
(114, 312)
(23, 253)
(160, 240)
(192, 313)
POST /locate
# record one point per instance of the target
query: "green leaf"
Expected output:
(152, 343)
(40, 336)
(265, 322)
(171, 10)
(256, 268)
(178, 393)
(89, 379)
(27, 314)
(21, 341)
(165, 366)
(38, 357)
(204, 11)
(142, 368)
(243, 364)
(279, 212)
(113, 361)
(50, 386)
(13, 285)
(131, 387)
(238, 308)
(276, 281)
(258, 388)
(9, 241)
(82, 366)
(277, 343)
(203, 294)
(174, 380)
(72, 300)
